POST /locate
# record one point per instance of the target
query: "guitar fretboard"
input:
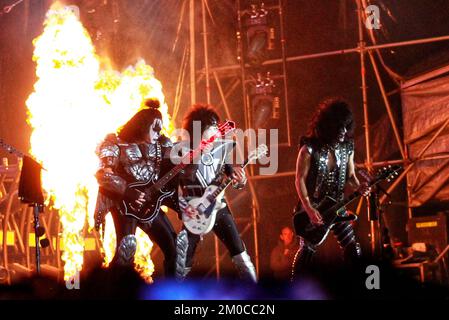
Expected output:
(357, 194)
(222, 130)
(224, 185)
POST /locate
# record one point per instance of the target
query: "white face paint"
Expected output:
(210, 131)
(154, 131)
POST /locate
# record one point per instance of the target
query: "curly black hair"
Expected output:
(331, 116)
(137, 127)
(206, 114)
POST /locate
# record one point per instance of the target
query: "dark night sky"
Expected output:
(147, 28)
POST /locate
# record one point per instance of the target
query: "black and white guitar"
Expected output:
(157, 192)
(330, 211)
(209, 204)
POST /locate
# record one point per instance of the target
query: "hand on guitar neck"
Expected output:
(200, 212)
(239, 177)
(364, 189)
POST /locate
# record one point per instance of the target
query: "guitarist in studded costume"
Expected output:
(136, 153)
(325, 166)
(211, 169)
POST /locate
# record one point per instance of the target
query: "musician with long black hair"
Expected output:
(213, 166)
(135, 154)
(325, 166)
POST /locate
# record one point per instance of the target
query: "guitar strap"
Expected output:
(344, 155)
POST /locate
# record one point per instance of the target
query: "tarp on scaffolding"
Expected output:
(425, 109)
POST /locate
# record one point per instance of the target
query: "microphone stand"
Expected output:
(36, 210)
(30, 192)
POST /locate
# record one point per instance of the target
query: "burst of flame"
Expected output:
(73, 106)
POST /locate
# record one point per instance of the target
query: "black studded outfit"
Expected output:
(321, 182)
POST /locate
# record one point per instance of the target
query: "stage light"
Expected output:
(265, 102)
(258, 34)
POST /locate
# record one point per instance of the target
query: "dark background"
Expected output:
(148, 29)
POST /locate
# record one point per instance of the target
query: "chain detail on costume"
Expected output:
(326, 178)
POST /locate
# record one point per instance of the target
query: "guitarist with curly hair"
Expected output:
(325, 166)
(212, 168)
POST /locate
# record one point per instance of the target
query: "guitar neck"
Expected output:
(169, 176)
(356, 194)
(227, 182)
(178, 168)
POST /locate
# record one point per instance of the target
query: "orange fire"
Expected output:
(74, 105)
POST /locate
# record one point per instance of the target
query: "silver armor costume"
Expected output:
(126, 250)
(122, 163)
(245, 267)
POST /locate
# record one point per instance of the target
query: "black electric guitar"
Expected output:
(331, 211)
(157, 192)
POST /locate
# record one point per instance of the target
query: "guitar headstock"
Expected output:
(224, 129)
(258, 153)
(388, 173)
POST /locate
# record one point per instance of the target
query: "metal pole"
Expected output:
(387, 105)
(192, 51)
(361, 46)
(228, 91)
(207, 75)
(206, 54)
(424, 77)
(364, 88)
(36, 238)
(242, 64)
(247, 114)
(217, 256)
(223, 97)
(284, 69)
(338, 52)
(421, 153)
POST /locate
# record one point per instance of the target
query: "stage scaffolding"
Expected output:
(371, 51)
(16, 218)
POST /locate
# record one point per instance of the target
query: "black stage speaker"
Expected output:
(431, 230)
(30, 185)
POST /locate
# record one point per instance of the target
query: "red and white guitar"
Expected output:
(156, 192)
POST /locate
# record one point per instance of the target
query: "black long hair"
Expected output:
(204, 113)
(331, 116)
(137, 127)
